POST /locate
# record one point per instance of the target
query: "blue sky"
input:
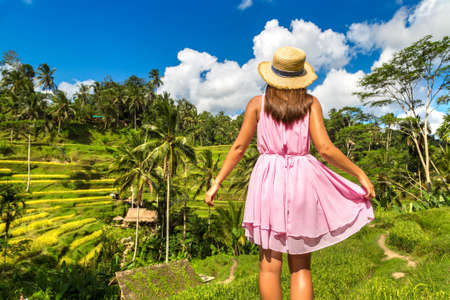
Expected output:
(90, 39)
(87, 40)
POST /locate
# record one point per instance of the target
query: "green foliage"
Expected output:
(6, 149)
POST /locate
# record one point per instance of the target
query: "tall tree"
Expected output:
(168, 147)
(207, 169)
(135, 96)
(423, 65)
(62, 109)
(155, 79)
(133, 171)
(244, 171)
(46, 77)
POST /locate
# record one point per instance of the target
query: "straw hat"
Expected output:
(288, 70)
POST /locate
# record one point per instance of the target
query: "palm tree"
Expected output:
(168, 147)
(155, 79)
(62, 108)
(82, 103)
(135, 96)
(207, 170)
(229, 225)
(11, 207)
(185, 190)
(19, 80)
(46, 78)
(244, 171)
(133, 170)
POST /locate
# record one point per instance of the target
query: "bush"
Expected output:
(437, 246)
(406, 235)
(49, 154)
(5, 149)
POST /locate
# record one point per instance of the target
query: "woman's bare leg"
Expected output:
(301, 281)
(270, 263)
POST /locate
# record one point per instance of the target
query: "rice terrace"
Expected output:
(103, 180)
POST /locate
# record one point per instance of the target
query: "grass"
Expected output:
(351, 269)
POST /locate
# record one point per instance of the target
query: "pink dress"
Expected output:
(295, 204)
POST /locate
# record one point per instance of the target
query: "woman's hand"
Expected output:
(210, 194)
(368, 186)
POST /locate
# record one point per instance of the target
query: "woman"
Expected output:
(295, 204)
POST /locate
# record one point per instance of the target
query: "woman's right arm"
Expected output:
(330, 152)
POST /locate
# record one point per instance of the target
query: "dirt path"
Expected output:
(391, 254)
(231, 277)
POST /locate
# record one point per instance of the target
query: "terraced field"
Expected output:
(66, 209)
(69, 203)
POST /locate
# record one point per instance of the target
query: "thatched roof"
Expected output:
(145, 215)
(118, 218)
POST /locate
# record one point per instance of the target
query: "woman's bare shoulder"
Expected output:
(254, 105)
(315, 105)
(314, 98)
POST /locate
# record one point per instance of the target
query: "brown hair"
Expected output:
(287, 105)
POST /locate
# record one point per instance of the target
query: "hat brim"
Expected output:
(298, 82)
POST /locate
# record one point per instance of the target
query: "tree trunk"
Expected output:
(425, 139)
(427, 156)
(388, 140)
(138, 204)
(416, 143)
(12, 131)
(184, 211)
(28, 163)
(420, 181)
(59, 125)
(132, 196)
(137, 232)
(4, 250)
(209, 219)
(167, 216)
(208, 186)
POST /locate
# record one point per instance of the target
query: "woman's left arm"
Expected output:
(238, 148)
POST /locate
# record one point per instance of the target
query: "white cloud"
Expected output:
(245, 4)
(405, 27)
(336, 90)
(214, 86)
(324, 49)
(386, 55)
(209, 84)
(70, 89)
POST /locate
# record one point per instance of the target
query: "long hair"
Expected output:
(285, 105)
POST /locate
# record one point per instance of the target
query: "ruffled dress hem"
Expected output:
(278, 241)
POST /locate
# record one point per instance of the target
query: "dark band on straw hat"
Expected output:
(288, 73)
